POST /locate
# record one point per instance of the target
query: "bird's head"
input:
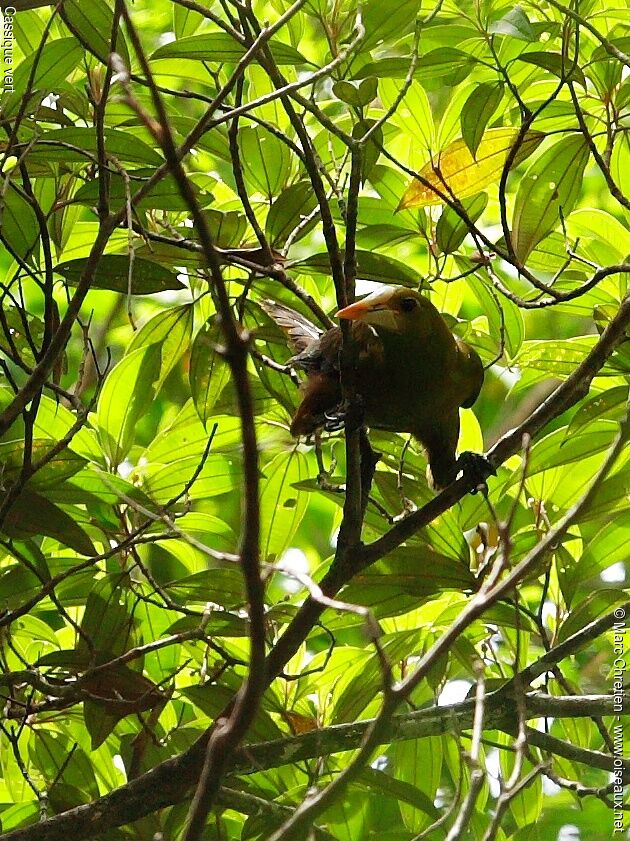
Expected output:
(395, 308)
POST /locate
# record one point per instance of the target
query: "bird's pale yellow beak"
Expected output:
(354, 311)
(363, 309)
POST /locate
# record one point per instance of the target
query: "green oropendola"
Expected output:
(410, 374)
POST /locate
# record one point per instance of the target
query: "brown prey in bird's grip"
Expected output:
(410, 375)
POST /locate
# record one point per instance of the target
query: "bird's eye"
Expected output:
(408, 304)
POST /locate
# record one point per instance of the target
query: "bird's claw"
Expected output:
(476, 468)
(347, 414)
(333, 421)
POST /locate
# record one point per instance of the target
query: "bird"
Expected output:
(410, 375)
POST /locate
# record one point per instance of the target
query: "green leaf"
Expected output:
(62, 466)
(371, 149)
(379, 236)
(219, 47)
(20, 815)
(611, 237)
(418, 762)
(54, 421)
(609, 404)
(506, 321)
(265, 159)
(620, 163)
(19, 225)
(107, 620)
(384, 784)
(550, 187)
(555, 63)
(33, 515)
(30, 550)
(527, 806)
(558, 357)
(98, 723)
(370, 266)
(185, 435)
(163, 482)
(56, 145)
(290, 208)
(611, 496)
(481, 104)
(359, 93)
(226, 228)
(112, 273)
(514, 23)
(93, 25)
(57, 60)
(282, 506)
(127, 394)
(17, 585)
(413, 115)
(209, 371)
(604, 69)
(416, 571)
(224, 586)
(185, 21)
(556, 449)
(162, 196)
(450, 230)
(28, 28)
(385, 21)
(172, 329)
(442, 67)
(212, 698)
(591, 608)
(97, 486)
(607, 547)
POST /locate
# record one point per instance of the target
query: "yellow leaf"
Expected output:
(454, 172)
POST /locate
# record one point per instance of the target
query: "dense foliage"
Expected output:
(167, 547)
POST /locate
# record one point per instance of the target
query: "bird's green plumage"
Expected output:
(410, 374)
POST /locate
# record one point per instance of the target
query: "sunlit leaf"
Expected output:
(127, 394)
(57, 60)
(610, 404)
(455, 172)
(171, 329)
(19, 228)
(451, 230)
(209, 371)
(94, 27)
(478, 109)
(514, 23)
(418, 762)
(505, 319)
(547, 192)
(282, 506)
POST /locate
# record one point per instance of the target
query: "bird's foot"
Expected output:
(347, 414)
(333, 421)
(476, 468)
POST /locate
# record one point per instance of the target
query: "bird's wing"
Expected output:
(472, 370)
(299, 330)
